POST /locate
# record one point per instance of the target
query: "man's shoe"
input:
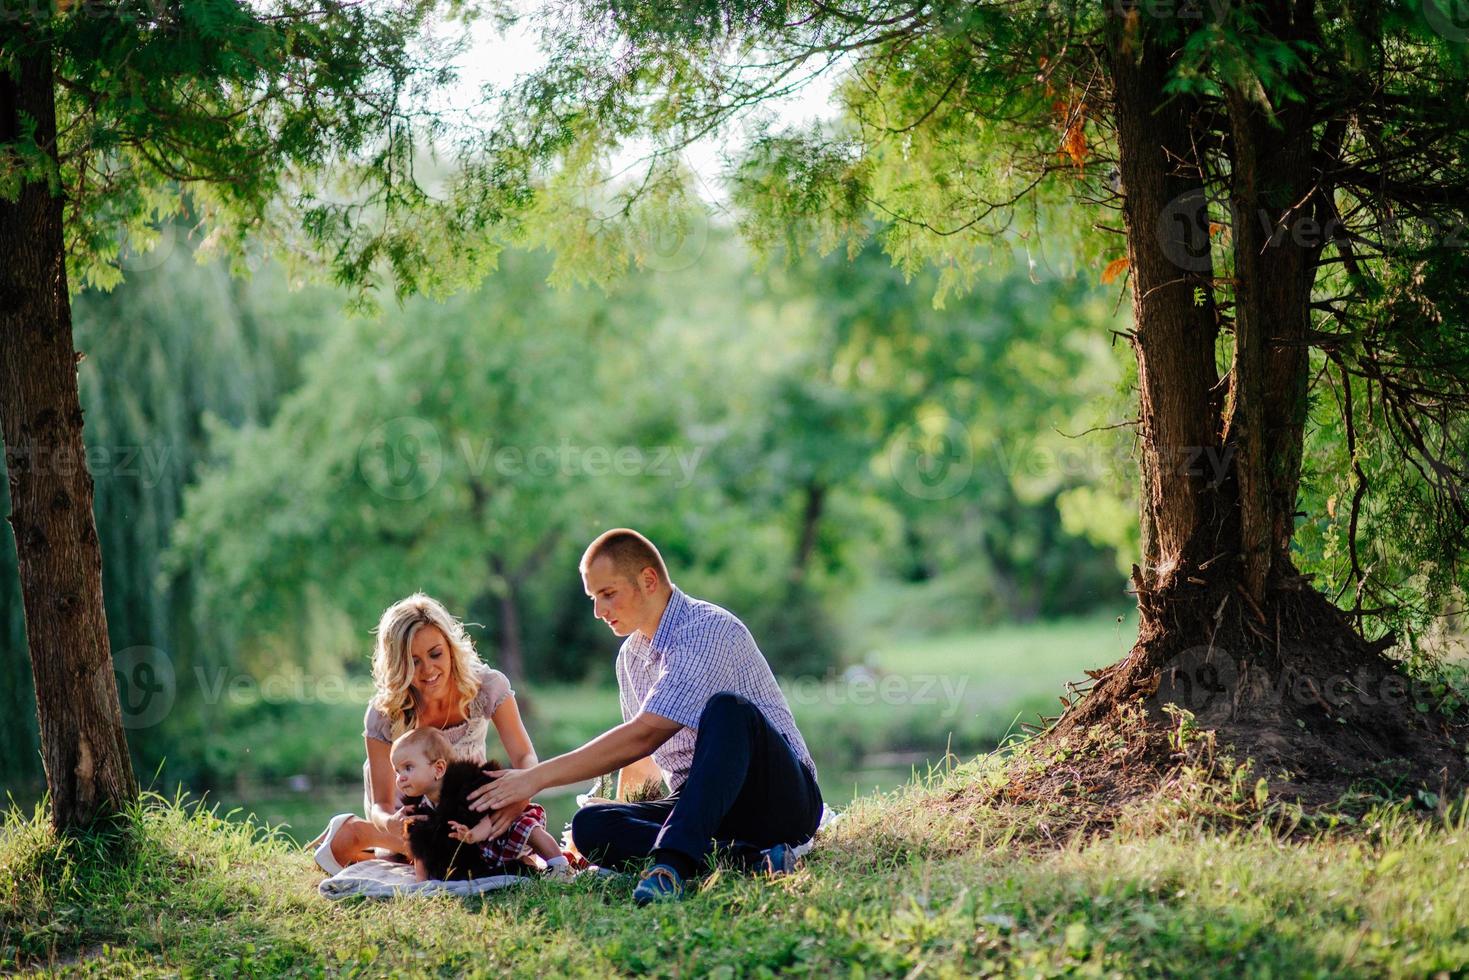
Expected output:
(660, 884)
(779, 860)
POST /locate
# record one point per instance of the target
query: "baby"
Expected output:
(451, 842)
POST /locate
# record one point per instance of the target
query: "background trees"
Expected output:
(1285, 182)
(111, 113)
(313, 466)
(1277, 182)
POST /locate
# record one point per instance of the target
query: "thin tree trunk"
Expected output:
(512, 646)
(83, 744)
(811, 515)
(1168, 258)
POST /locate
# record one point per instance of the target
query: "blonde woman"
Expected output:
(427, 675)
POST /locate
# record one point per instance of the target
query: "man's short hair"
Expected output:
(630, 553)
(433, 743)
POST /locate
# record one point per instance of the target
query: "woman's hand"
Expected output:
(400, 820)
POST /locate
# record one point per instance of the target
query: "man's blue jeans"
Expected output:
(746, 791)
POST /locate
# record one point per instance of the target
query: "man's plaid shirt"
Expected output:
(698, 651)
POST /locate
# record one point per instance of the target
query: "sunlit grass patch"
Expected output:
(898, 883)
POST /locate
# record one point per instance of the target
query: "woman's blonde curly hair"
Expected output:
(392, 664)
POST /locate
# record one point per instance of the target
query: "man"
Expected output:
(698, 698)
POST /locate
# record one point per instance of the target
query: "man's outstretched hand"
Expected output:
(510, 793)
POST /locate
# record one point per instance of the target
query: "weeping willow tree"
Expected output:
(152, 375)
(1280, 187)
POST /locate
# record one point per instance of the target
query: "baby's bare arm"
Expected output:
(419, 871)
(477, 834)
(544, 844)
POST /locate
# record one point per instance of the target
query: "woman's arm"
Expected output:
(513, 735)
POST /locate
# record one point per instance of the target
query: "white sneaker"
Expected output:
(325, 859)
(561, 871)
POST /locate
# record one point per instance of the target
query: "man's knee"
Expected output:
(725, 706)
(590, 827)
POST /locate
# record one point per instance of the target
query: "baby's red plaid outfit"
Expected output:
(514, 844)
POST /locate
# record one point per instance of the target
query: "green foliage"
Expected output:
(302, 128)
(387, 471)
(971, 135)
(1238, 52)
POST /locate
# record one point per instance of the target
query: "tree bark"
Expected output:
(83, 744)
(1279, 232)
(1168, 234)
(1270, 188)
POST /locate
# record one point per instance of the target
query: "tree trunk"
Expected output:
(512, 646)
(811, 515)
(83, 745)
(1278, 230)
(1227, 630)
(1173, 309)
(1273, 271)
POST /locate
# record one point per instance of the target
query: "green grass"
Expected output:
(904, 882)
(1016, 659)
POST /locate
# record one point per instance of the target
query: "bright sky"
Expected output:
(495, 58)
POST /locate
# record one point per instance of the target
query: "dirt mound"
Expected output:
(1216, 679)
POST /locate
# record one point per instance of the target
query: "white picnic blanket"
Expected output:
(389, 879)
